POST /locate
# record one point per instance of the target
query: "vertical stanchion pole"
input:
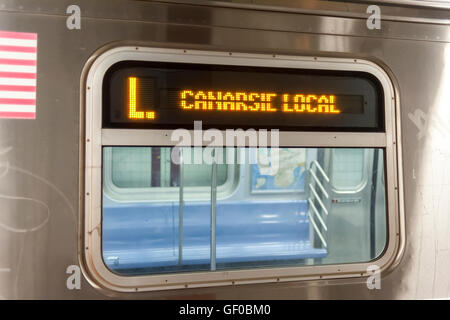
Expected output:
(180, 212)
(213, 211)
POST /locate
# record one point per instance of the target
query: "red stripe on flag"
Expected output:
(18, 115)
(25, 102)
(18, 35)
(18, 62)
(18, 88)
(20, 75)
(18, 49)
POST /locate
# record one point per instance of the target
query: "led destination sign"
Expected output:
(174, 95)
(257, 102)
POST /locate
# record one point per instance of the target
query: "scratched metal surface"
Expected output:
(39, 173)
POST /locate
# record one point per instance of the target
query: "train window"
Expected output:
(131, 167)
(277, 228)
(146, 173)
(322, 200)
(349, 170)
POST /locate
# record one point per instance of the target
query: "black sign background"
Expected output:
(359, 96)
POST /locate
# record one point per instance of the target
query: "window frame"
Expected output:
(94, 138)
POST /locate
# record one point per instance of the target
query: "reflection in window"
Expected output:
(348, 168)
(131, 167)
(144, 167)
(279, 211)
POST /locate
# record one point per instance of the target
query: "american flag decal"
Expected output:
(18, 52)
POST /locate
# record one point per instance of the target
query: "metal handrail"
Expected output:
(319, 167)
(318, 199)
(316, 212)
(318, 232)
(313, 211)
(319, 184)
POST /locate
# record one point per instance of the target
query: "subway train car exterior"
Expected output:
(224, 149)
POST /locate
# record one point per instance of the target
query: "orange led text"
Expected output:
(257, 101)
(132, 102)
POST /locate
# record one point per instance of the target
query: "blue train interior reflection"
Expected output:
(295, 206)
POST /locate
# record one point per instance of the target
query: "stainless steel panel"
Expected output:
(39, 158)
